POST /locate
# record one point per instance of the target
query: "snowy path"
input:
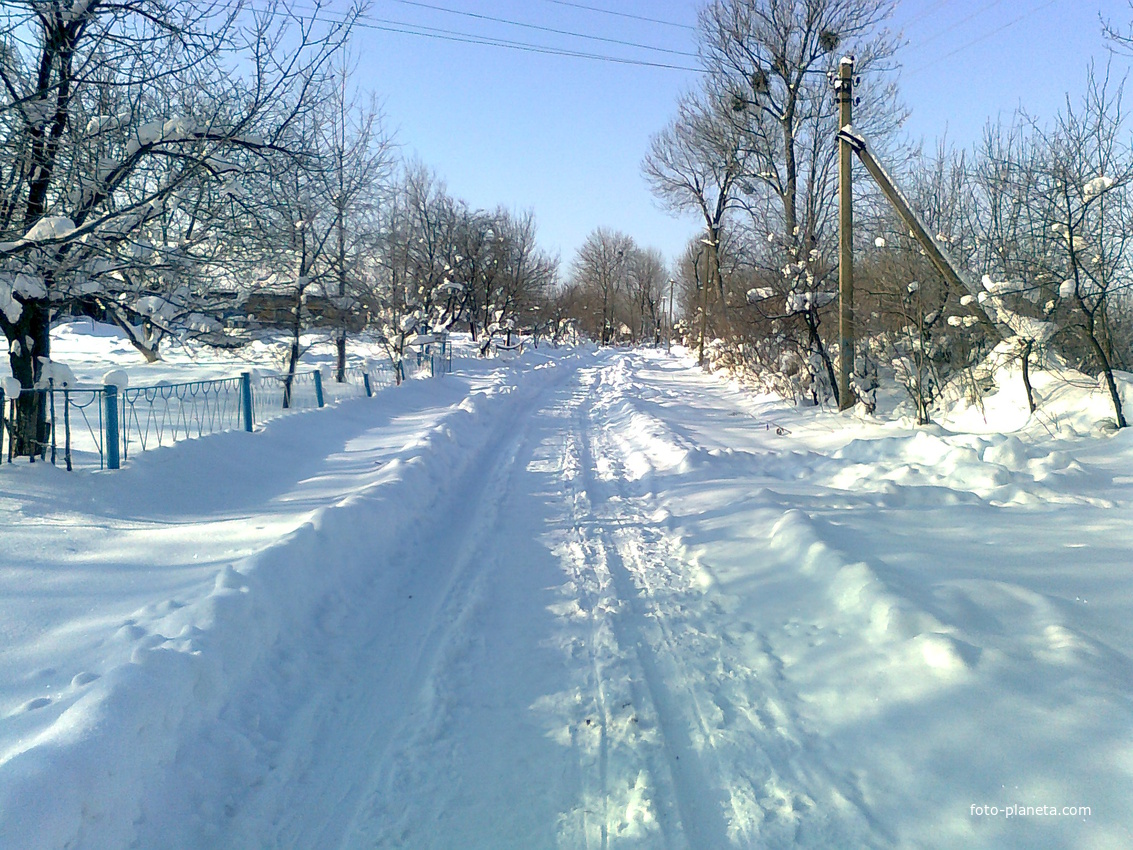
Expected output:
(596, 603)
(545, 673)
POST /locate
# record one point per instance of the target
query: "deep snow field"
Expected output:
(573, 599)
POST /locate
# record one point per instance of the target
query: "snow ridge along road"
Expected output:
(589, 600)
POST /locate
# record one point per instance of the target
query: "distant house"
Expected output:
(276, 310)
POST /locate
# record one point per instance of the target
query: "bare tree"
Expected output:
(107, 111)
(645, 288)
(1080, 185)
(359, 151)
(410, 285)
(769, 62)
(757, 144)
(600, 268)
(696, 164)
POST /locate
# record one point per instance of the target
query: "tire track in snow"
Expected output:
(618, 805)
(742, 763)
(678, 785)
(662, 738)
(466, 535)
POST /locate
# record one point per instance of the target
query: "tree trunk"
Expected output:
(791, 168)
(820, 349)
(340, 359)
(1107, 370)
(923, 417)
(32, 340)
(293, 358)
(1025, 357)
(149, 352)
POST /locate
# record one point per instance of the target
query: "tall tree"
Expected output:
(762, 135)
(358, 148)
(601, 269)
(107, 111)
(696, 164)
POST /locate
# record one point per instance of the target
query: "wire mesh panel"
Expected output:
(83, 428)
(381, 376)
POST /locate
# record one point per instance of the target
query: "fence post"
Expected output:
(246, 399)
(51, 395)
(365, 383)
(110, 439)
(319, 387)
(66, 427)
(11, 427)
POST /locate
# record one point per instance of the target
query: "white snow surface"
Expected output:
(576, 599)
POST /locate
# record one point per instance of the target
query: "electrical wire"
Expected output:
(930, 9)
(441, 34)
(540, 28)
(468, 38)
(621, 14)
(945, 30)
(985, 36)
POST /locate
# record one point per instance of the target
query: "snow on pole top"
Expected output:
(54, 373)
(116, 378)
(78, 9)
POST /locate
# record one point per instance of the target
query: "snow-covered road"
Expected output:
(589, 601)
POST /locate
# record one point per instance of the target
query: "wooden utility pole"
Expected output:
(844, 95)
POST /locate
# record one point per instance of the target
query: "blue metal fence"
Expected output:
(436, 356)
(163, 414)
(101, 426)
(74, 425)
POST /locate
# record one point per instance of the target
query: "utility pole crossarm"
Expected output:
(933, 249)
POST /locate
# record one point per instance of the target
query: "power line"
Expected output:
(985, 36)
(928, 10)
(467, 38)
(952, 26)
(540, 28)
(621, 14)
(440, 34)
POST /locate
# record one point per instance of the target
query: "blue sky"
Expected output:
(565, 136)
